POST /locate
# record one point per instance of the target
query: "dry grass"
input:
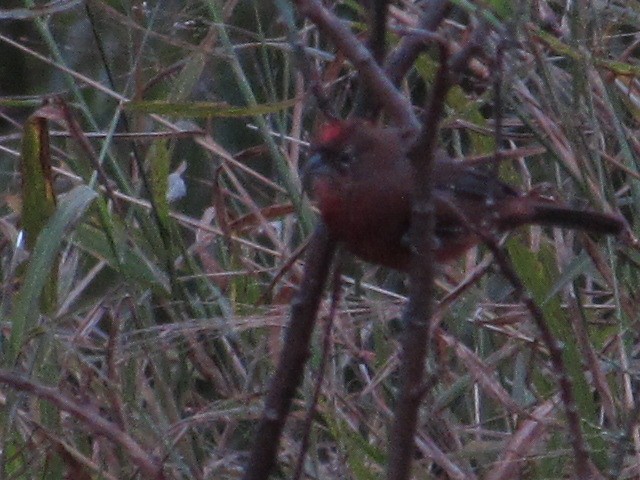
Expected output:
(151, 359)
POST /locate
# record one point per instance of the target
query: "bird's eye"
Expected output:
(344, 159)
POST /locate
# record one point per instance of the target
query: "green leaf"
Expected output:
(42, 260)
(38, 199)
(159, 159)
(502, 8)
(617, 67)
(206, 109)
(132, 265)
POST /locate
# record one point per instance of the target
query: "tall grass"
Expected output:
(151, 357)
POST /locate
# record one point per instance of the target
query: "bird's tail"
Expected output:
(551, 214)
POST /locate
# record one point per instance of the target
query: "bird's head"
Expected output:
(349, 150)
(331, 157)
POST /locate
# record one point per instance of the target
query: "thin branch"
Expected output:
(402, 58)
(309, 73)
(367, 105)
(417, 316)
(293, 358)
(326, 344)
(395, 104)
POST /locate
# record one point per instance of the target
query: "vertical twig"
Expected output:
(365, 104)
(294, 355)
(417, 316)
(497, 102)
(326, 345)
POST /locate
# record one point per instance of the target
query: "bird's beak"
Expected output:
(314, 167)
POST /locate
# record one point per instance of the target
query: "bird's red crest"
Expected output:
(332, 132)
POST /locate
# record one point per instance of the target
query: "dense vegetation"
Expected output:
(152, 218)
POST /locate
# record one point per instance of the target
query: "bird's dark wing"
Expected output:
(471, 183)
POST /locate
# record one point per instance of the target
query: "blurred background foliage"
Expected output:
(151, 214)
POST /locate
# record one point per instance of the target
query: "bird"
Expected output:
(360, 176)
